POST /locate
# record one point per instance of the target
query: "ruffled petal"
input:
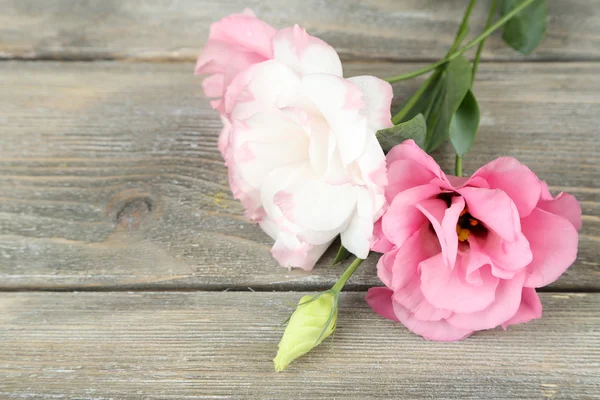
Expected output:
(448, 289)
(404, 174)
(385, 267)
(565, 205)
(349, 126)
(380, 300)
(357, 235)
(290, 252)
(495, 209)
(553, 241)
(529, 309)
(419, 247)
(504, 307)
(507, 258)
(377, 96)
(408, 150)
(245, 31)
(402, 218)
(439, 330)
(514, 179)
(443, 220)
(304, 53)
(379, 242)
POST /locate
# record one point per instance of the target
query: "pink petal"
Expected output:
(408, 150)
(304, 53)
(402, 218)
(530, 308)
(565, 205)
(385, 267)
(404, 174)
(514, 179)
(246, 31)
(223, 142)
(380, 300)
(411, 297)
(495, 209)
(432, 330)
(553, 241)
(504, 307)
(509, 257)
(379, 242)
(377, 97)
(297, 254)
(445, 288)
(213, 86)
(405, 269)
(444, 221)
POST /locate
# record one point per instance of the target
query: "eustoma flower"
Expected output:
(299, 142)
(466, 254)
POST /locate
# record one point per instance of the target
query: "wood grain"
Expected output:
(177, 29)
(110, 177)
(220, 345)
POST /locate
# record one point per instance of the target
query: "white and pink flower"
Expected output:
(299, 142)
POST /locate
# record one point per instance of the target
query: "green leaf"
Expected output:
(312, 322)
(464, 125)
(526, 30)
(415, 128)
(342, 254)
(453, 85)
(440, 99)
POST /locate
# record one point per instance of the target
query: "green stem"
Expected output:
(346, 275)
(413, 100)
(462, 27)
(480, 47)
(458, 166)
(463, 49)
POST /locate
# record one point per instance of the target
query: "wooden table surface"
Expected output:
(128, 272)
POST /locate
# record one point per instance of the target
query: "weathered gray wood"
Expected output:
(220, 345)
(110, 176)
(169, 29)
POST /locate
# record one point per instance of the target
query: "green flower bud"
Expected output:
(312, 322)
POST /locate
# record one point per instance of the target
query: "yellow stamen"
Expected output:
(473, 222)
(463, 212)
(463, 234)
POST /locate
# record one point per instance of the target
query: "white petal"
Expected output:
(357, 236)
(304, 53)
(340, 102)
(378, 100)
(265, 141)
(262, 87)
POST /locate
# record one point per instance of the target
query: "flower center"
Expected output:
(468, 225)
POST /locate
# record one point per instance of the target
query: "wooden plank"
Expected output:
(168, 29)
(221, 345)
(110, 176)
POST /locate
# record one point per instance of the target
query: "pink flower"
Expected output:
(299, 142)
(236, 42)
(466, 254)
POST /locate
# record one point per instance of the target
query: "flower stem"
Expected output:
(463, 49)
(346, 275)
(458, 166)
(480, 47)
(413, 100)
(462, 27)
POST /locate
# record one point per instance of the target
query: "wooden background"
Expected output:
(120, 243)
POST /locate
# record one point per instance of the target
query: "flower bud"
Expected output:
(312, 322)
